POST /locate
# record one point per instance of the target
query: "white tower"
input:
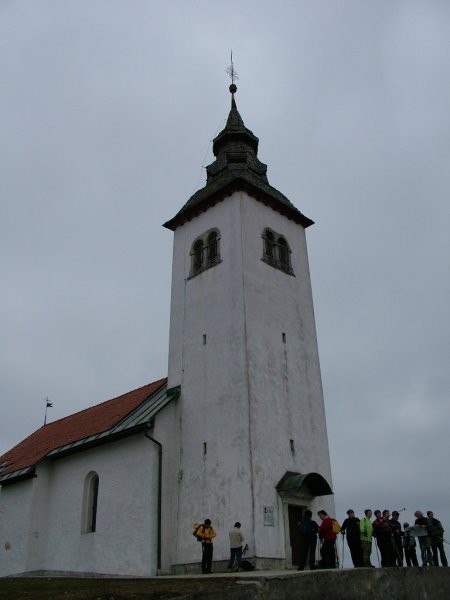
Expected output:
(252, 443)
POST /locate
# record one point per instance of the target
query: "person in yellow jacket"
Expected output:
(206, 534)
(366, 529)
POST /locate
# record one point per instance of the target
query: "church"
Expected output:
(235, 432)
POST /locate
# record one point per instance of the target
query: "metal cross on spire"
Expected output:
(233, 75)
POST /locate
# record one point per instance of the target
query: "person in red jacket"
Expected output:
(328, 537)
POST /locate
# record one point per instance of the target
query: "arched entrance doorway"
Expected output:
(298, 491)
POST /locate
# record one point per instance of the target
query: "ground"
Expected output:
(58, 588)
(411, 583)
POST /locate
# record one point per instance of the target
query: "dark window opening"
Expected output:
(283, 252)
(205, 252)
(90, 507)
(212, 247)
(276, 251)
(268, 244)
(197, 256)
(93, 522)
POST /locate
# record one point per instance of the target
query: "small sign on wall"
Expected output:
(269, 520)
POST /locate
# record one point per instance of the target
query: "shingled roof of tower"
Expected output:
(87, 424)
(236, 168)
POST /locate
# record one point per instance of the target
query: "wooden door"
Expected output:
(295, 514)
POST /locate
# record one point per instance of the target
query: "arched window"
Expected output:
(276, 251)
(90, 503)
(205, 252)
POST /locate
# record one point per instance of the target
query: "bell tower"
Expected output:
(251, 433)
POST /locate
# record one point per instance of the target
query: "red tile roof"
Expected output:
(78, 426)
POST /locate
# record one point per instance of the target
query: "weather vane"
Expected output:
(233, 75)
(48, 405)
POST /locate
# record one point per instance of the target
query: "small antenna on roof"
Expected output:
(48, 405)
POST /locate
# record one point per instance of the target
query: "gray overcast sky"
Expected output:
(107, 110)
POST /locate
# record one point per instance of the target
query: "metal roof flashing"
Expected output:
(19, 475)
(292, 482)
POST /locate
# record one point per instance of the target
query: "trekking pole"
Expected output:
(343, 550)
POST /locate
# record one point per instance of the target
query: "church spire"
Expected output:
(235, 144)
(236, 147)
(236, 167)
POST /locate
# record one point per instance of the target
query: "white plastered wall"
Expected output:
(285, 393)
(215, 475)
(245, 393)
(15, 525)
(124, 542)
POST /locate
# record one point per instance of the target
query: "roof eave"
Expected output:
(99, 441)
(238, 184)
(16, 476)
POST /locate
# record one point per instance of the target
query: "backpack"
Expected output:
(246, 565)
(336, 526)
(197, 533)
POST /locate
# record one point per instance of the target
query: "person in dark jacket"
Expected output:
(397, 535)
(437, 540)
(383, 535)
(307, 530)
(423, 525)
(409, 544)
(350, 527)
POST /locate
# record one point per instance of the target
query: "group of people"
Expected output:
(394, 543)
(309, 531)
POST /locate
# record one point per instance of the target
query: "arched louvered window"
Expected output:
(276, 251)
(205, 252)
(90, 503)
